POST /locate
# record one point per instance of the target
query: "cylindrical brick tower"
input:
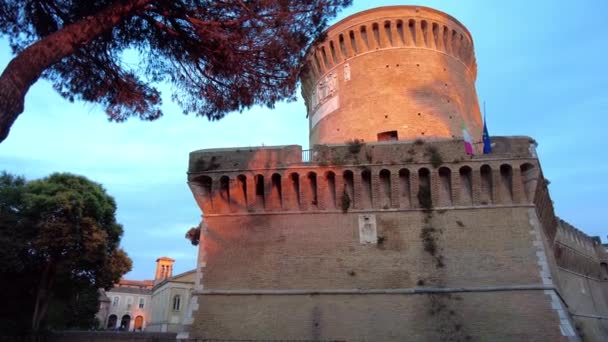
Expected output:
(398, 72)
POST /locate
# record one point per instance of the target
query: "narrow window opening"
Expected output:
(389, 32)
(445, 35)
(366, 183)
(176, 302)
(259, 190)
(506, 176)
(363, 31)
(445, 186)
(529, 179)
(466, 185)
(277, 192)
(331, 187)
(225, 190)
(349, 186)
(332, 49)
(400, 32)
(412, 27)
(295, 182)
(343, 46)
(325, 59)
(436, 34)
(353, 41)
(404, 186)
(376, 31)
(312, 180)
(425, 36)
(385, 189)
(486, 185)
(242, 186)
(425, 199)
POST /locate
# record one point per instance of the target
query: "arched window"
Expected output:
(242, 190)
(445, 186)
(506, 182)
(112, 322)
(466, 185)
(312, 184)
(349, 187)
(330, 179)
(176, 302)
(486, 184)
(528, 177)
(404, 181)
(366, 187)
(425, 199)
(276, 193)
(139, 323)
(385, 189)
(295, 182)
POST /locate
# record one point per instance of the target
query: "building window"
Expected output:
(176, 302)
(141, 303)
(115, 301)
(129, 303)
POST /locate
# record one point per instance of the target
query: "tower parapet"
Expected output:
(392, 73)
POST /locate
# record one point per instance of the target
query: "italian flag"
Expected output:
(468, 142)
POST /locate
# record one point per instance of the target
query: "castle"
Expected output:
(387, 230)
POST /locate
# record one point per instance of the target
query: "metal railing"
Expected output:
(306, 156)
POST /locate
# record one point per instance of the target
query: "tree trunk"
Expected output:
(25, 69)
(42, 294)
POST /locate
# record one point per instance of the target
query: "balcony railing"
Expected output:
(306, 156)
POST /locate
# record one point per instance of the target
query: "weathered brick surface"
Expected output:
(277, 221)
(406, 69)
(521, 316)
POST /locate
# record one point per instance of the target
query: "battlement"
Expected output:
(392, 27)
(374, 176)
(392, 73)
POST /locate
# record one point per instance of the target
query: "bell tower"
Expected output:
(164, 269)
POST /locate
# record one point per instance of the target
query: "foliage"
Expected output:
(424, 197)
(60, 244)
(220, 56)
(345, 201)
(193, 235)
(354, 146)
(428, 240)
(435, 156)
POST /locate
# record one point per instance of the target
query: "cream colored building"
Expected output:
(170, 299)
(150, 305)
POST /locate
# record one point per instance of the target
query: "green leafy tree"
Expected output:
(220, 56)
(60, 244)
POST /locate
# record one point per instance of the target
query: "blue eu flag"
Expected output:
(487, 143)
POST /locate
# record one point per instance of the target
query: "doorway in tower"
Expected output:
(388, 136)
(125, 322)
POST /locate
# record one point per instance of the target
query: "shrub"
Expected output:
(345, 201)
(354, 146)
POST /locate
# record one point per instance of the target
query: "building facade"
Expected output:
(387, 230)
(147, 305)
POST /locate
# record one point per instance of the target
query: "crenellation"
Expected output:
(387, 229)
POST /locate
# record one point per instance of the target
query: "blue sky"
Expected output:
(541, 72)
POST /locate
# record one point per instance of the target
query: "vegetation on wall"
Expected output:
(345, 201)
